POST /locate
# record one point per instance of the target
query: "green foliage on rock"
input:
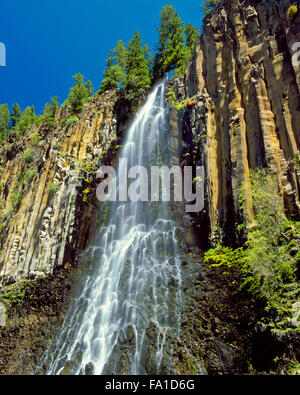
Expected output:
(29, 154)
(14, 294)
(53, 188)
(29, 175)
(268, 260)
(4, 122)
(71, 120)
(35, 138)
(292, 13)
(225, 256)
(16, 199)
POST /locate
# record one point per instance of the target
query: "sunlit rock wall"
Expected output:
(247, 105)
(46, 217)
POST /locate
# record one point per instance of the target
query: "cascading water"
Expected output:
(129, 303)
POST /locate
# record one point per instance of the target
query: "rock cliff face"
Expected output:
(247, 104)
(46, 207)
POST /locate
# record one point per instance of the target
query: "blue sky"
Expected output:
(49, 41)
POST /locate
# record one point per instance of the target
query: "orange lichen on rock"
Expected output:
(191, 103)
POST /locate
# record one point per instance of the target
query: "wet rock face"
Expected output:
(247, 104)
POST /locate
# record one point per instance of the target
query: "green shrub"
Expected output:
(267, 261)
(29, 174)
(225, 256)
(54, 187)
(15, 294)
(16, 199)
(29, 154)
(292, 13)
(71, 120)
(35, 139)
(297, 161)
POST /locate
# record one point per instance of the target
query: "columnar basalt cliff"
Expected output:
(46, 201)
(246, 111)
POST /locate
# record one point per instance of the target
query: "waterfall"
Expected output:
(128, 305)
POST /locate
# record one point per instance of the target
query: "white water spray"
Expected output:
(130, 301)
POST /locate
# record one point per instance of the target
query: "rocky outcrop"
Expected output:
(46, 211)
(247, 105)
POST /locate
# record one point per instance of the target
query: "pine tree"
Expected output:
(79, 93)
(4, 122)
(148, 56)
(192, 36)
(114, 74)
(175, 54)
(50, 110)
(120, 54)
(138, 76)
(27, 119)
(15, 114)
(89, 87)
(167, 16)
(175, 43)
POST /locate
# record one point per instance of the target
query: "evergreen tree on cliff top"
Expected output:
(79, 93)
(138, 76)
(15, 114)
(50, 111)
(175, 45)
(26, 120)
(120, 54)
(128, 67)
(4, 122)
(114, 74)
